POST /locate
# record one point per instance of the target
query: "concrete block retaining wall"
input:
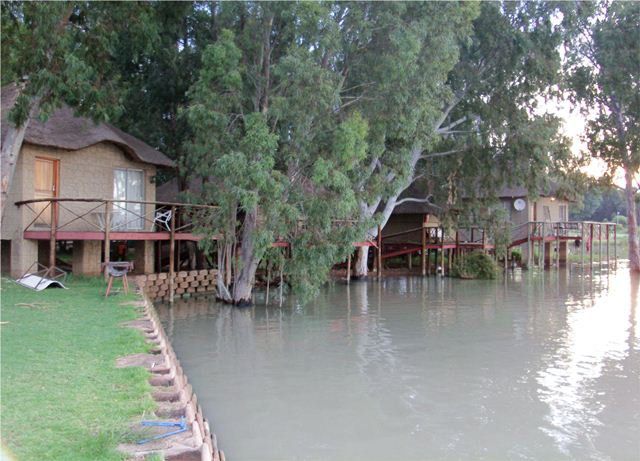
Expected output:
(204, 441)
(156, 286)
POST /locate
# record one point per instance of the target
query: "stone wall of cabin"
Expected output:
(84, 173)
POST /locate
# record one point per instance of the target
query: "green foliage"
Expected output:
(270, 143)
(603, 58)
(61, 395)
(620, 220)
(476, 265)
(65, 52)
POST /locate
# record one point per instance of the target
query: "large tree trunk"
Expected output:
(248, 261)
(367, 210)
(632, 224)
(11, 144)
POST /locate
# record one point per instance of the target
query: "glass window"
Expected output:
(563, 212)
(128, 185)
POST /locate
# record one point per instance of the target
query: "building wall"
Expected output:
(403, 222)
(554, 209)
(83, 173)
(528, 214)
(516, 217)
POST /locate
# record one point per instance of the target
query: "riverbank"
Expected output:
(62, 396)
(80, 371)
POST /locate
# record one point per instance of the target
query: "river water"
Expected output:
(542, 365)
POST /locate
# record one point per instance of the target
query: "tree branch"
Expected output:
(427, 199)
(441, 154)
(451, 125)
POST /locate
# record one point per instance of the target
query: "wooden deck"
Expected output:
(129, 235)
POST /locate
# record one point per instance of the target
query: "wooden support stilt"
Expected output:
(52, 237)
(107, 240)
(591, 246)
(542, 246)
(583, 243)
(529, 245)
(266, 298)
(349, 268)
(172, 254)
(600, 244)
(281, 280)
(558, 245)
(442, 251)
(379, 251)
(615, 245)
(159, 256)
(607, 227)
(423, 254)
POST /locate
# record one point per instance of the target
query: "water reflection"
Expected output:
(541, 365)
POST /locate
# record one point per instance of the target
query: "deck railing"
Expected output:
(100, 215)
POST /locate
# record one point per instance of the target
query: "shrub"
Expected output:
(620, 220)
(476, 265)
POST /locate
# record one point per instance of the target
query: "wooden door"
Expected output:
(46, 180)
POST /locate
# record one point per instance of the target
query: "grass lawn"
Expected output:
(622, 248)
(61, 395)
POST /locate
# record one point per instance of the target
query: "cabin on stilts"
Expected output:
(84, 194)
(540, 233)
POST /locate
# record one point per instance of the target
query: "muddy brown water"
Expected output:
(542, 366)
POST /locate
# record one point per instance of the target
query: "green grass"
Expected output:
(61, 395)
(622, 248)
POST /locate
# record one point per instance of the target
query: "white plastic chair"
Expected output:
(163, 218)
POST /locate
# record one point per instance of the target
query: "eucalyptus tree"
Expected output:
(271, 144)
(603, 73)
(461, 113)
(55, 52)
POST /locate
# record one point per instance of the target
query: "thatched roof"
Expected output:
(515, 191)
(64, 130)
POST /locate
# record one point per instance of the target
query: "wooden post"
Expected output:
(281, 280)
(442, 251)
(52, 237)
(424, 251)
(349, 268)
(615, 245)
(529, 246)
(591, 246)
(379, 251)
(607, 245)
(558, 244)
(159, 256)
(107, 230)
(583, 242)
(172, 255)
(600, 244)
(543, 246)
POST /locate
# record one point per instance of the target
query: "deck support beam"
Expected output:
(172, 255)
(52, 238)
(423, 253)
(379, 258)
(107, 240)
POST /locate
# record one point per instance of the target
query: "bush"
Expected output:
(620, 220)
(476, 265)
